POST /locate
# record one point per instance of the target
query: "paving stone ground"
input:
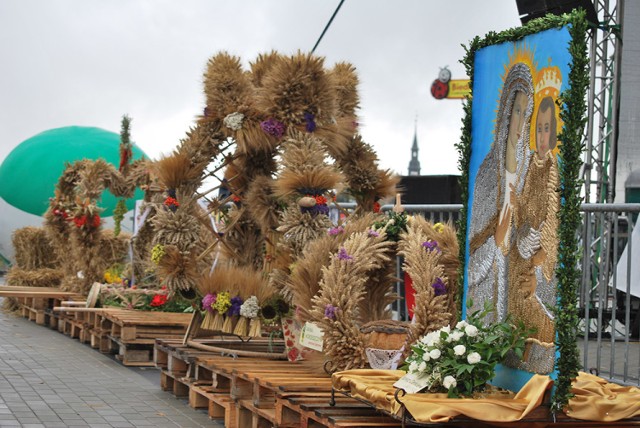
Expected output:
(49, 380)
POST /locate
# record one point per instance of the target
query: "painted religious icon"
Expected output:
(512, 229)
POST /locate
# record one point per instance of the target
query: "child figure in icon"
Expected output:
(532, 276)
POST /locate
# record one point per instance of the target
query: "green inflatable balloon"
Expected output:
(29, 174)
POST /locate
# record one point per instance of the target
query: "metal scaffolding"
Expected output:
(598, 173)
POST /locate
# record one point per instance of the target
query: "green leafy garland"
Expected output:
(573, 115)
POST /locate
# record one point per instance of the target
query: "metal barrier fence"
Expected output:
(609, 297)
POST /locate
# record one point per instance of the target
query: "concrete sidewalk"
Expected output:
(50, 380)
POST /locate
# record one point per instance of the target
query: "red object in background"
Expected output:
(439, 89)
(409, 294)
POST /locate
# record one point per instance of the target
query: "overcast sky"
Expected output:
(88, 62)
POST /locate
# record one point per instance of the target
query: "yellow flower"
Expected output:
(438, 227)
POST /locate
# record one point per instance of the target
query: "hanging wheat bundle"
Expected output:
(178, 171)
(179, 228)
(304, 169)
(177, 270)
(431, 285)
(297, 92)
(226, 85)
(242, 240)
(342, 288)
(299, 228)
(262, 64)
(204, 141)
(262, 205)
(345, 81)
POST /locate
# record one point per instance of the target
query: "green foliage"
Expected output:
(394, 224)
(118, 215)
(460, 361)
(573, 115)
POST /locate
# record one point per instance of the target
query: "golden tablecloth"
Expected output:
(595, 400)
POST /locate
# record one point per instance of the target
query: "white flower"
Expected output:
(449, 382)
(234, 121)
(413, 366)
(426, 356)
(422, 366)
(459, 349)
(455, 336)
(431, 339)
(471, 330)
(474, 358)
(462, 324)
(250, 308)
(392, 221)
(434, 354)
(446, 329)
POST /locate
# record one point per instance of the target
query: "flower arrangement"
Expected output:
(141, 298)
(461, 360)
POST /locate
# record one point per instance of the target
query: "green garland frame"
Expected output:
(573, 115)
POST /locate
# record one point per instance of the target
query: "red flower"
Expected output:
(171, 202)
(96, 221)
(321, 200)
(235, 198)
(158, 300)
(289, 343)
(80, 221)
(376, 207)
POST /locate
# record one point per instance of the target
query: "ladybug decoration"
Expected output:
(440, 86)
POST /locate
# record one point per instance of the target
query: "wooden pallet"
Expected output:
(255, 392)
(131, 334)
(37, 303)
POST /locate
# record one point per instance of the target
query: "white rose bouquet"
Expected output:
(461, 360)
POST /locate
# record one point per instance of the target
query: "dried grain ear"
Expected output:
(226, 86)
(294, 86)
(345, 81)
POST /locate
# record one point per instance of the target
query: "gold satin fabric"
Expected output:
(597, 400)
(376, 387)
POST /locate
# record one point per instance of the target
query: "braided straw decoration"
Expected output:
(430, 311)
(343, 286)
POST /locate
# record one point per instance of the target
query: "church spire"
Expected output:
(414, 164)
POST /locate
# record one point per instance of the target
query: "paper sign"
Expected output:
(311, 336)
(413, 382)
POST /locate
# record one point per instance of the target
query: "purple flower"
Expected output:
(438, 287)
(431, 245)
(334, 231)
(330, 311)
(309, 118)
(342, 254)
(315, 210)
(208, 301)
(373, 233)
(236, 302)
(273, 127)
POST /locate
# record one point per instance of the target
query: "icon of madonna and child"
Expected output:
(513, 227)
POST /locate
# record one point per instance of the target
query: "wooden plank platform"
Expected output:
(255, 392)
(37, 303)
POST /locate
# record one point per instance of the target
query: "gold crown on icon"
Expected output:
(548, 82)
